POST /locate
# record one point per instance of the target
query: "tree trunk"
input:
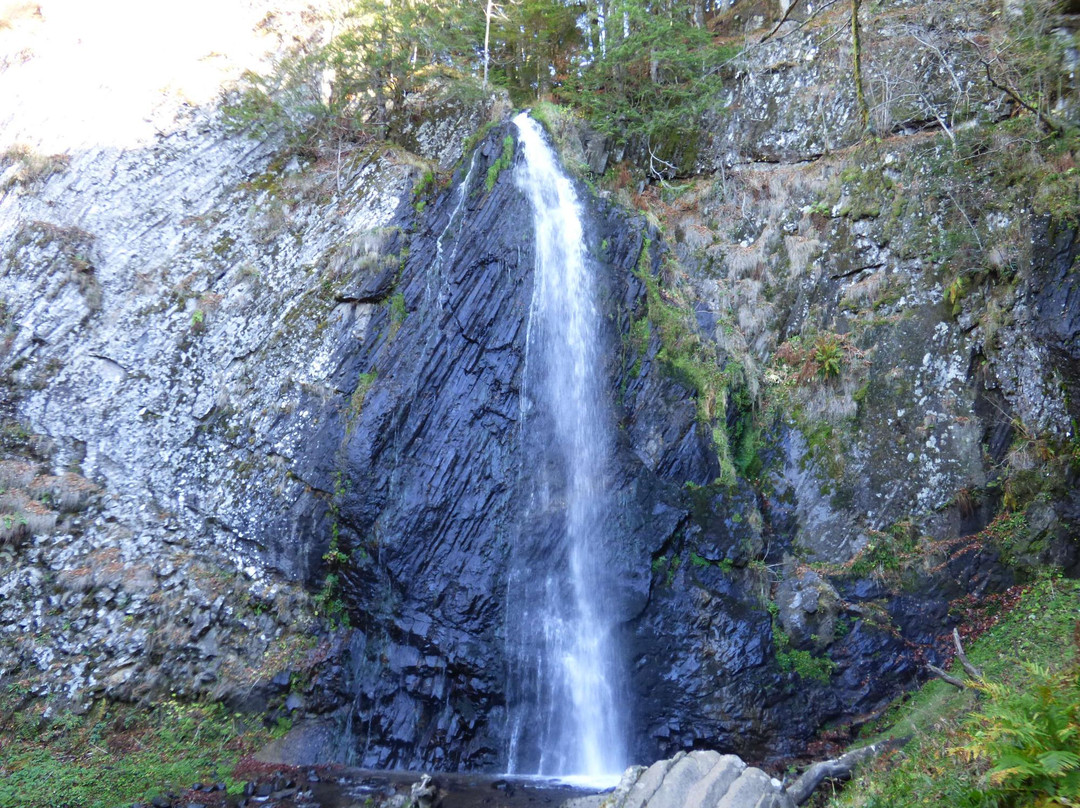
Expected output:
(487, 38)
(856, 52)
(601, 24)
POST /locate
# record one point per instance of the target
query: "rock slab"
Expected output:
(698, 779)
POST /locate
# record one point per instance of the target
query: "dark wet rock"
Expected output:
(308, 742)
(263, 790)
(1055, 289)
(431, 459)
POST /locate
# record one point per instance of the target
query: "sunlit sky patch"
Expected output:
(89, 73)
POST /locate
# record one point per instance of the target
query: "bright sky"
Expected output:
(112, 72)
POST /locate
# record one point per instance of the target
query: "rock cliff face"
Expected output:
(263, 371)
(429, 448)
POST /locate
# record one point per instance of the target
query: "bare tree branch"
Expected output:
(959, 684)
(654, 159)
(970, 669)
(1044, 119)
(973, 673)
(787, 15)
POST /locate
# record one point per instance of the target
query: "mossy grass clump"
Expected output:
(691, 360)
(802, 663)
(504, 162)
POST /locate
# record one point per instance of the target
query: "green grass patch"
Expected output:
(964, 740)
(803, 663)
(398, 312)
(116, 754)
(364, 383)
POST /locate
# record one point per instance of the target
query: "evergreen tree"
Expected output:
(386, 45)
(658, 73)
(536, 44)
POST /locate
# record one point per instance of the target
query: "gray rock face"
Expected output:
(808, 608)
(794, 99)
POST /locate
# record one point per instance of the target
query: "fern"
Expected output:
(1031, 736)
(829, 356)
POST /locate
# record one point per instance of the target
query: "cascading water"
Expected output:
(565, 673)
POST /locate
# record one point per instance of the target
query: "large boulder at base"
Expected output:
(696, 779)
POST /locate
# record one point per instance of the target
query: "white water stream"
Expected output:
(566, 719)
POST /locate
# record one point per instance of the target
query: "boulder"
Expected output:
(698, 779)
(809, 606)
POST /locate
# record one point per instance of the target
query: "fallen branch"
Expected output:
(959, 684)
(840, 767)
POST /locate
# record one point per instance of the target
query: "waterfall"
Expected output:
(565, 716)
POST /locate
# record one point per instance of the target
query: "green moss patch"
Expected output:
(692, 361)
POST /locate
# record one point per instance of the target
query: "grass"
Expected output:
(116, 754)
(31, 166)
(937, 767)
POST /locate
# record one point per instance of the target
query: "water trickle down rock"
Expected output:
(566, 669)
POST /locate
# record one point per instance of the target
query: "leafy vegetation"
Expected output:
(1031, 735)
(1011, 742)
(803, 663)
(642, 72)
(652, 84)
(828, 356)
(330, 599)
